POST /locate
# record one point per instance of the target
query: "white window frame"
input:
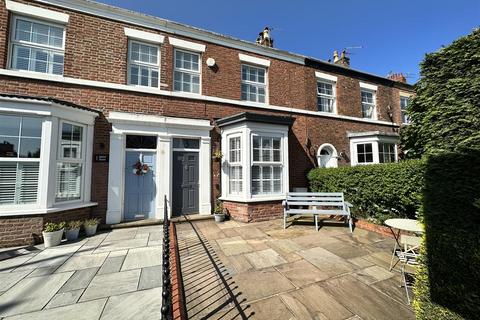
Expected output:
(81, 160)
(403, 115)
(191, 72)
(374, 104)
(247, 130)
(143, 64)
(256, 84)
(13, 42)
(333, 96)
(375, 141)
(52, 115)
(24, 160)
(333, 161)
(271, 164)
(235, 164)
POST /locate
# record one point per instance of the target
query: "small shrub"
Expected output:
(91, 222)
(378, 192)
(218, 207)
(74, 224)
(52, 227)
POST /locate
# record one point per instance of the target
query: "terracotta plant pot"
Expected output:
(90, 230)
(72, 234)
(52, 239)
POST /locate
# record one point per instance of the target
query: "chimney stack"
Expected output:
(264, 38)
(397, 77)
(343, 60)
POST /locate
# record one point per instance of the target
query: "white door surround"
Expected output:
(165, 128)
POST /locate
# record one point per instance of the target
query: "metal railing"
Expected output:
(167, 310)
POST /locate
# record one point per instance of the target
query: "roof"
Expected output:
(49, 99)
(175, 28)
(255, 117)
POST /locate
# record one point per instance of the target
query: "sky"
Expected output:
(393, 35)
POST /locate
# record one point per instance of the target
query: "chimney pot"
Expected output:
(400, 77)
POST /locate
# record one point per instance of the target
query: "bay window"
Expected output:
(373, 147)
(37, 46)
(255, 166)
(44, 147)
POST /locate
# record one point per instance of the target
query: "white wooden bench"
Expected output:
(315, 204)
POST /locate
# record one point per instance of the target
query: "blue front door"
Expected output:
(139, 188)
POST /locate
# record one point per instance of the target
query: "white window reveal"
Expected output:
(144, 64)
(235, 168)
(37, 46)
(325, 96)
(187, 71)
(266, 165)
(71, 163)
(403, 108)
(327, 156)
(254, 83)
(368, 104)
(20, 139)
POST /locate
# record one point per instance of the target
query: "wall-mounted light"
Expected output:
(211, 62)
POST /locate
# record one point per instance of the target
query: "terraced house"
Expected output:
(105, 111)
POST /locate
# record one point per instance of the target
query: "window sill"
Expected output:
(254, 199)
(18, 211)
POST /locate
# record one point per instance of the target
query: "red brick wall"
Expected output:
(254, 211)
(27, 230)
(96, 49)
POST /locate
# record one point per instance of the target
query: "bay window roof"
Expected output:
(255, 117)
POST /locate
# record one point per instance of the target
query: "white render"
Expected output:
(143, 36)
(254, 60)
(165, 128)
(188, 45)
(36, 12)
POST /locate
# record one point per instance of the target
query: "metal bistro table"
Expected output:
(410, 225)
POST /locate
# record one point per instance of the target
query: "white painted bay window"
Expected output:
(187, 73)
(255, 167)
(37, 46)
(373, 147)
(254, 83)
(44, 147)
(144, 64)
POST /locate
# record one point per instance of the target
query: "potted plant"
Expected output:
(219, 211)
(90, 226)
(72, 230)
(217, 155)
(52, 234)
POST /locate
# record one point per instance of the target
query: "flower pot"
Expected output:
(90, 230)
(72, 234)
(219, 217)
(52, 239)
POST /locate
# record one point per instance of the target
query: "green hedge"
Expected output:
(378, 192)
(448, 278)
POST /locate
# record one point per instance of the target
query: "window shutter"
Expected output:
(27, 182)
(8, 173)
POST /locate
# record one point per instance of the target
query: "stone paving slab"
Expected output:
(145, 304)
(80, 311)
(31, 294)
(84, 279)
(297, 273)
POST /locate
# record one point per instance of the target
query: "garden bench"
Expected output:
(315, 204)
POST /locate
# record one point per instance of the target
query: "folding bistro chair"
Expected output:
(408, 255)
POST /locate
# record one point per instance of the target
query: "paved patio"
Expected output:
(112, 275)
(260, 271)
